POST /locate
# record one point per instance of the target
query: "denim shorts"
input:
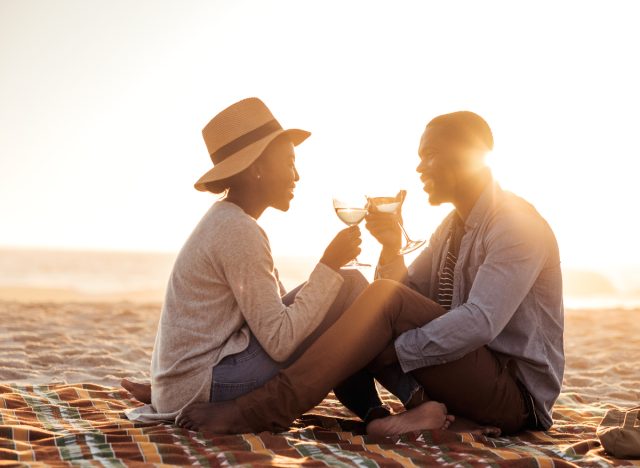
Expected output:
(240, 373)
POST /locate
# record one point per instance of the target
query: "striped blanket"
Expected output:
(60, 425)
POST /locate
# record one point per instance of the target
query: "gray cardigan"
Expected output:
(224, 283)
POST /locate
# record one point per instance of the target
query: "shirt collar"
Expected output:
(483, 205)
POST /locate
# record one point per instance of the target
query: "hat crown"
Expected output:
(237, 136)
(235, 121)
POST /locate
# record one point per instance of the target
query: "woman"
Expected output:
(225, 328)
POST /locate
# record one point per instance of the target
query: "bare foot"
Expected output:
(140, 391)
(429, 415)
(467, 425)
(219, 418)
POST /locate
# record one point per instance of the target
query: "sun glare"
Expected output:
(102, 150)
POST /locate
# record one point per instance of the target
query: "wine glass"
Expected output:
(351, 212)
(393, 205)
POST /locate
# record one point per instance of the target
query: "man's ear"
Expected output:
(470, 159)
(478, 159)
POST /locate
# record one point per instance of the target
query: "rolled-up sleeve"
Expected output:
(517, 246)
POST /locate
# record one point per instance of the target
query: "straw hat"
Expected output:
(238, 135)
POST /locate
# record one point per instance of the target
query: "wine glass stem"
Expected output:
(406, 236)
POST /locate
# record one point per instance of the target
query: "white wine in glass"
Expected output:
(350, 214)
(393, 205)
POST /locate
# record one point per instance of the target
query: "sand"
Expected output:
(101, 342)
(76, 342)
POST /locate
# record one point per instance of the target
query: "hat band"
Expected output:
(245, 140)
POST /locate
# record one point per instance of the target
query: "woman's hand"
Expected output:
(344, 247)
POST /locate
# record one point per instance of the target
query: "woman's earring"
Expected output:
(259, 177)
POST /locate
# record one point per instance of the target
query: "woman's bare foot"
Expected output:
(140, 391)
(429, 415)
(219, 418)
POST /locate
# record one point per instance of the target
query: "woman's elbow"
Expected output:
(279, 353)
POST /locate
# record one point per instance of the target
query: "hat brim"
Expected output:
(241, 160)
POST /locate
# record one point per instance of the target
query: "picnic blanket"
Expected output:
(63, 425)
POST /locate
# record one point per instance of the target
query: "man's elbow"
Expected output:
(486, 330)
(491, 332)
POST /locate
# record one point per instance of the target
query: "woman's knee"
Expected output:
(385, 287)
(381, 292)
(403, 307)
(354, 279)
(354, 284)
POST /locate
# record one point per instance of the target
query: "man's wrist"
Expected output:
(388, 256)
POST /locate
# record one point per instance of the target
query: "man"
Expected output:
(493, 264)
(477, 325)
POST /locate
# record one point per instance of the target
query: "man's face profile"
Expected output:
(436, 167)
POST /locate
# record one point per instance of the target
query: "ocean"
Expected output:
(66, 274)
(41, 274)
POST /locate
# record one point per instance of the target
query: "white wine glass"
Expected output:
(393, 205)
(351, 212)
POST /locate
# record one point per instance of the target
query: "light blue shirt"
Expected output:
(507, 295)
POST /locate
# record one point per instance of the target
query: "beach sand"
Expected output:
(101, 342)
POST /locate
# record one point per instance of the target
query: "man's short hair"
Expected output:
(466, 127)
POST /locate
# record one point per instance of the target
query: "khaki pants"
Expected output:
(477, 386)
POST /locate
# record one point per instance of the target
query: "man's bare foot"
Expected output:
(429, 415)
(219, 418)
(467, 425)
(140, 391)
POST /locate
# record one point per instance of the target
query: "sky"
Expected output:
(102, 106)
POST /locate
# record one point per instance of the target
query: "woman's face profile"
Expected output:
(278, 174)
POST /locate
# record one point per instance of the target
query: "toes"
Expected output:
(491, 431)
(444, 408)
(185, 421)
(448, 420)
(181, 419)
(126, 384)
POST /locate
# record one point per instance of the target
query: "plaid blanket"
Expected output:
(61, 425)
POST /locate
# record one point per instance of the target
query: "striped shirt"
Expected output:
(507, 296)
(445, 275)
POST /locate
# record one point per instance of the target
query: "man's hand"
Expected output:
(385, 228)
(344, 247)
